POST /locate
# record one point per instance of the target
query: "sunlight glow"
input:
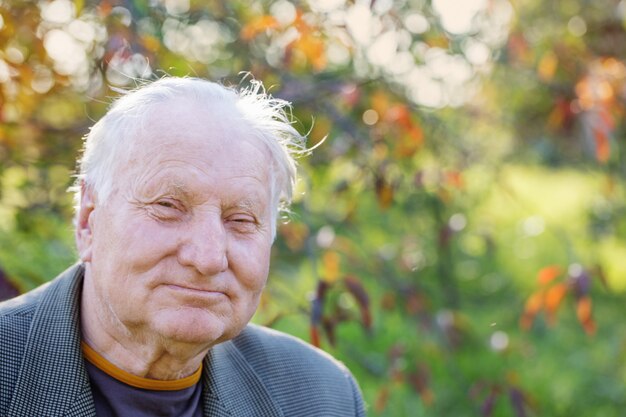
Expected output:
(457, 16)
(57, 11)
(67, 53)
(359, 23)
(383, 50)
(326, 5)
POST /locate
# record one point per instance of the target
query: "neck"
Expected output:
(133, 349)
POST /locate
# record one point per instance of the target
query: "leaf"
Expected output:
(584, 314)
(410, 142)
(313, 49)
(315, 336)
(518, 401)
(384, 192)
(547, 66)
(331, 262)
(415, 303)
(548, 274)
(257, 26)
(603, 148)
(354, 286)
(317, 305)
(533, 305)
(329, 329)
(486, 408)
(382, 398)
(598, 271)
(455, 179)
(581, 284)
(419, 380)
(553, 298)
(79, 5)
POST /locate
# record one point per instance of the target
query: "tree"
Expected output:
(450, 130)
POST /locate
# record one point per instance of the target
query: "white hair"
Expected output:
(268, 117)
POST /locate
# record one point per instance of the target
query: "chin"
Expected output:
(195, 328)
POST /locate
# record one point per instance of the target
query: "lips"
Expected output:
(197, 292)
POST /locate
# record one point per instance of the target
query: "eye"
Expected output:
(242, 219)
(167, 204)
(166, 209)
(242, 222)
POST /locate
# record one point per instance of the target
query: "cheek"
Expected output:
(133, 242)
(250, 264)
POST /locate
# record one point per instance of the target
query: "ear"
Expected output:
(84, 222)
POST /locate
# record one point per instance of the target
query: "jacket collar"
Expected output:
(53, 379)
(232, 386)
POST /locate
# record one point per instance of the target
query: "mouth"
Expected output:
(195, 292)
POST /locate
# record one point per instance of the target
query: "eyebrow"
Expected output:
(248, 203)
(153, 189)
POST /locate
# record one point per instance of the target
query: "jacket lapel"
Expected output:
(50, 382)
(233, 388)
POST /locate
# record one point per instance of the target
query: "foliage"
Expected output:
(471, 147)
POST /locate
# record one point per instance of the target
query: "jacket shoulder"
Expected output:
(22, 305)
(16, 317)
(305, 380)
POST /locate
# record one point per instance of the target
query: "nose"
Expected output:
(204, 245)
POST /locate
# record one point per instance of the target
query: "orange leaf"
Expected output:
(583, 312)
(547, 66)
(533, 305)
(410, 142)
(603, 148)
(381, 399)
(455, 179)
(547, 274)
(553, 298)
(399, 114)
(258, 25)
(313, 48)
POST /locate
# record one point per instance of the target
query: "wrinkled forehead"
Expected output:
(182, 122)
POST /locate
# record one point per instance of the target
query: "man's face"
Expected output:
(180, 249)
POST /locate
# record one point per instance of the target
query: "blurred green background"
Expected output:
(457, 240)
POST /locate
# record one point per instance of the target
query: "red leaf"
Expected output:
(329, 330)
(603, 148)
(355, 288)
(419, 380)
(315, 336)
(317, 305)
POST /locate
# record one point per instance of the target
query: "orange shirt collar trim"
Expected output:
(136, 381)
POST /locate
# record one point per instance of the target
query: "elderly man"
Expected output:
(177, 198)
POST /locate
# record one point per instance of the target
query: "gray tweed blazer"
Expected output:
(259, 373)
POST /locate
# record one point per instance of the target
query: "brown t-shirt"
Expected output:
(119, 393)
